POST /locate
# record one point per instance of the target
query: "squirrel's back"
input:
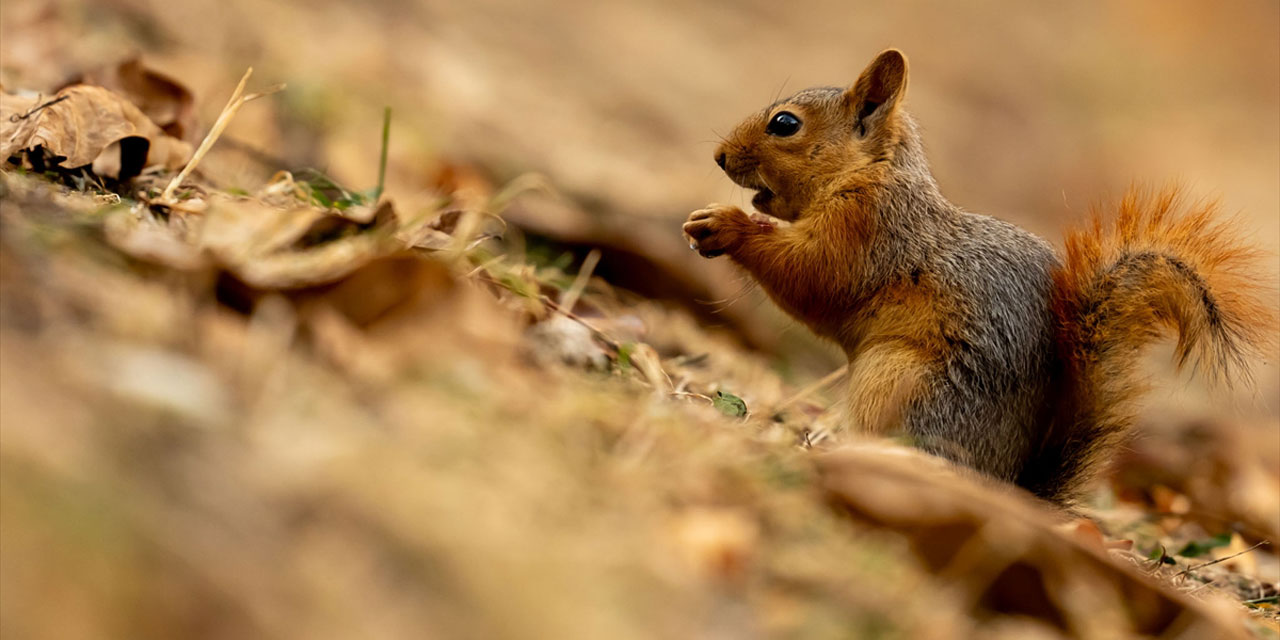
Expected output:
(967, 333)
(985, 401)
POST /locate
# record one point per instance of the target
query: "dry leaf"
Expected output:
(85, 125)
(1002, 548)
(236, 230)
(164, 100)
(150, 241)
(258, 243)
(383, 287)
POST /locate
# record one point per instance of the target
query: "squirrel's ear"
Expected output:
(878, 90)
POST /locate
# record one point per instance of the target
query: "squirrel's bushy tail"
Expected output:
(1126, 280)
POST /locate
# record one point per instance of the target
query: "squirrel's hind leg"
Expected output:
(883, 379)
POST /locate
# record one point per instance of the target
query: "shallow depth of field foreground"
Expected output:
(396, 335)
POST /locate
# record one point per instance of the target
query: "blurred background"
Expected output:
(1032, 112)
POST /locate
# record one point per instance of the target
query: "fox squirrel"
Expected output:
(967, 333)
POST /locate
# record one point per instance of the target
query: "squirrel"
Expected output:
(968, 334)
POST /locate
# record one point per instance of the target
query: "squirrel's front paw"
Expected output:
(716, 230)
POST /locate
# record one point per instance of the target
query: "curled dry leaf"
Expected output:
(85, 125)
(453, 229)
(265, 247)
(370, 214)
(164, 100)
(150, 241)
(1000, 548)
(237, 230)
(253, 241)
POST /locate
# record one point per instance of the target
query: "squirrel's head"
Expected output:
(817, 140)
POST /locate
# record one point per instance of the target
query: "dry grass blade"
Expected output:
(580, 282)
(813, 388)
(1237, 554)
(649, 364)
(238, 99)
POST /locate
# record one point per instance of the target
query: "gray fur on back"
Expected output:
(987, 397)
(983, 404)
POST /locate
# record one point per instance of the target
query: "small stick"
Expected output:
(613, 344)
(694, 396)
(580, 282)
(813, 388)
(1202, 565)
(1201, 587)
(32, 111)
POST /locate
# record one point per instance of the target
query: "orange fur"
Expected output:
(1196, 236)
(1155, 265)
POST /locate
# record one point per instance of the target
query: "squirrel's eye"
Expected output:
(783, 124)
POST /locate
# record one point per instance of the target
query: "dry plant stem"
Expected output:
(1201, 587)
(580, 282)
(228, 112)
(486, 265)
(813, 388)
(693, 396)
(1202, 565)
(32, 111)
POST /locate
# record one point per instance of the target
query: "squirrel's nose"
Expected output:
(720, 159)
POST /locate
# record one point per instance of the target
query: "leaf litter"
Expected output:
(407, 427)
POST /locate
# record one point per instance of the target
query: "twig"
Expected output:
(1201, 587)
(1202, 565)
(32, 111)
(228, 112)
(813, 388)
(602, 336)
(580, 282)
(484, 266)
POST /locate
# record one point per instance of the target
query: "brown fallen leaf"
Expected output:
(453, 229)
(321, 264)
(1009, 553)
(85, 125)
(146, 239)
(164, 100)
(385, 286)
